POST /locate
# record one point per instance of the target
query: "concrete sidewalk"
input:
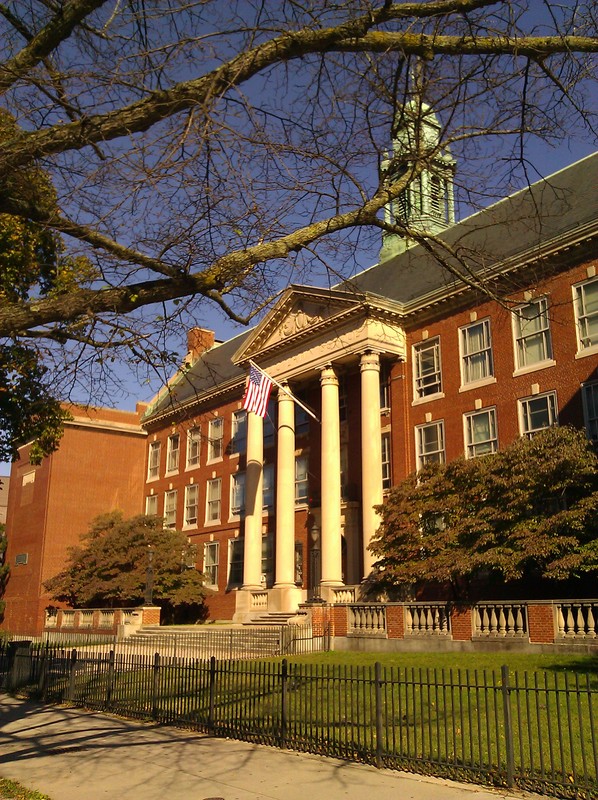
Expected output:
(72, 754)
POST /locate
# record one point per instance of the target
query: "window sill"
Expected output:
(428, 399)
(534, 367)
(191, 467)
(467, 387)
(171, 473)
(587, 351)
(212, 523)
(214, 461)
(152, 480)
(189, 526)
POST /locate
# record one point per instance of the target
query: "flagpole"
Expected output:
(285, 390)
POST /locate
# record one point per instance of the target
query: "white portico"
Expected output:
(317, 335)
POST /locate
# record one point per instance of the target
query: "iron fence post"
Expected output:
(155, 676)
(378, 696)
(110, 681)
(212, 693)
(284, 673)
(72, 667)
(508, 720)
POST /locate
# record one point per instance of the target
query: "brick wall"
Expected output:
(461, 623)
(540, 620)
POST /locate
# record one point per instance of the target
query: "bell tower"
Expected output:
(427, 204)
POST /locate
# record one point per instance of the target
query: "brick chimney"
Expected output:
(198, 341)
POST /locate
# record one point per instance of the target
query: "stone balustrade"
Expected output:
(577, 619)
(500, 620)
(100, 620)
(427, 619)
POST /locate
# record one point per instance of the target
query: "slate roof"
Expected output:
(549, 209)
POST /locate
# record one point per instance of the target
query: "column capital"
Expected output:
(369, 361)
(282, 395)
(328, 376)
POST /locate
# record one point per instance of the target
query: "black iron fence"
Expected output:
(535, 731)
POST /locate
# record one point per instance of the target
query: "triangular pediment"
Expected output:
(300, 313)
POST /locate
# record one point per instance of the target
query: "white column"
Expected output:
(285, 493)
(371, 452)
(252, 553)
(331, 481)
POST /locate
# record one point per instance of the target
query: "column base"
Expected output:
(286, 598)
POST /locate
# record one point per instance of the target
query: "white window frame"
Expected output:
(238, 441)
(173, 452)
(151, 500)
(473, 448)
(192, 505)
(235, 548)
(583, 318)
(589, 396)
(215, 439)
(523, 361)
(268, 487)
(301, 479)
(525, 411)
(423, 387)
(384, 381)
(472, 356)
(386, 462)
(237, 494)
(211, 556)
(427, 456)
(170, 508)
(153, 461)
(193, 447)
(213, 501)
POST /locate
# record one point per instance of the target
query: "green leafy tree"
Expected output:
(109, 567)
(530, 510)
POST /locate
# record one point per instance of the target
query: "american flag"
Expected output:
(257, 392)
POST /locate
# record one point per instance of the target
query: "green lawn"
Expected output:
(11, 790)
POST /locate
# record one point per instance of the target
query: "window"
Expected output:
(586, 313)
(476, 352)
(426, 366)
(191, 503)
(532, 334)
(170, 509)
(386, 474)
(384, 388)
(435, 196)
(589, 394)
(213, 500)
(301, 479)
(215, 435)
(270, 424)
(536, 413)
(480, 433)
(239, 432)
(430, 443)
(342, 398)
(172, 453)
(235, 562)
(301, 421)
(153, 462)
(268, 486)
(237, 494)
(344, 459)
(210, 563)
(151, 505)
(267, 560)
(193, 445)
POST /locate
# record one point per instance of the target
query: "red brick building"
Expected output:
(98, 468)
(412, 360)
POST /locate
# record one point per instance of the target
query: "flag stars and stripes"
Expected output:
(257, 392)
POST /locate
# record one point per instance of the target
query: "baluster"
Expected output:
(477, 621)
(493, 620)
(570, 629)
(409, 619)
(560, 620)
(502, 622)
(591, 623)
(429, 620)
(581, 623)
(519, 620)
(510, 621)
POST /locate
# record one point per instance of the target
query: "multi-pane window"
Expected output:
(480, 433)
(270, 424)
(586, 313)
(235, 562)
(193, 446)
(430, 443)
(301, 479)
(301, 421)
(268, 486)
(589, 393)
(239, 432)
(237, 494)
(532, 333)
(267, 560)
(384, 388)
(210, 563)
(153, 463)
(215, 436)
(386, 473)
(476, 352)
(191, 503)
(170, 509)
(172, 453)
(213, 500)
(537, 413)
(342, 398)
(151, 505)
(426, 368)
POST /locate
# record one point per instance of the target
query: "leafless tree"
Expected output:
(209, 152)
